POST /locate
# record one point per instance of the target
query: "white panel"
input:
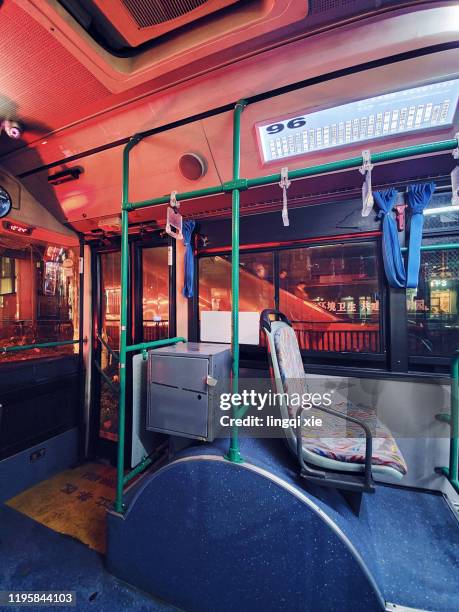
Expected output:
(143, 441)
(216, 327)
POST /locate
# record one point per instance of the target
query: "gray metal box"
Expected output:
(184, 386)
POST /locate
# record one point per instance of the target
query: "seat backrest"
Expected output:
(286, 361)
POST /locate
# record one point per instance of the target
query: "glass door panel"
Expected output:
(108, 336)
(155, 293)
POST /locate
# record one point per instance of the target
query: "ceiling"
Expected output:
(53, 74)
(41, 83)
(45, 85)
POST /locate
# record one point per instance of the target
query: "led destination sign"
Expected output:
(420, 108)
(17, 228)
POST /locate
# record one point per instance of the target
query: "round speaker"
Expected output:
(192, 166)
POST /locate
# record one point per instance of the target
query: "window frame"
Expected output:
(258, 353)
(139, 244)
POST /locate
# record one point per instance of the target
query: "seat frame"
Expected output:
(352, 484)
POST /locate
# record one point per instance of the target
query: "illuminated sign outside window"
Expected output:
(420, 108)
(439, 283)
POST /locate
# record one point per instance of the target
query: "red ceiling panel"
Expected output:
(40, 81)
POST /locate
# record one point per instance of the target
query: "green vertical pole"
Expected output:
(123, 327)
(454, 422)
(234, 453)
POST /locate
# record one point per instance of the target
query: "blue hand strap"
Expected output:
(392, 255)
(187, 230)
(419, 197)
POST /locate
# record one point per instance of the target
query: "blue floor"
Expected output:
(34, 558)
(408, 539)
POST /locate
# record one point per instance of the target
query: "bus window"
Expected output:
(331, 295)
(38, 298)
(432, 308)
(256, 288)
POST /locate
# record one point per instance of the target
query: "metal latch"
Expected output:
(211, 381)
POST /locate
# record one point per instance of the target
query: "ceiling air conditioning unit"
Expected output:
(141, 20)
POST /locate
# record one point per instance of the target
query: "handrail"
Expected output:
(143, 346)
(27, 347)
(343, 164)
(368, 475)
(445, 246)
(108, 347)
(145, 462)
(234, 453)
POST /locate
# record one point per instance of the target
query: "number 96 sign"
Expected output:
(277, 136)
(292, 124)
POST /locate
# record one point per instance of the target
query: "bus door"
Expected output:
(106, 337)
(153, 294)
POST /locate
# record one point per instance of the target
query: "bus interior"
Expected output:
(229, 305)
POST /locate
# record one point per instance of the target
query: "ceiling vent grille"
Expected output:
(141, 21)
(147, 13)
(337, 7)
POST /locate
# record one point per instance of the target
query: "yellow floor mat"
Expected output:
(73, 502)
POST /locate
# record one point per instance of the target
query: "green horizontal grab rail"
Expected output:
(27, 347)
(343, 164)
(446, 246)
(140, 467)
(143, 346)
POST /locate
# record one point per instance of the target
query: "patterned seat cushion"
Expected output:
(337, 439)
(345, 441)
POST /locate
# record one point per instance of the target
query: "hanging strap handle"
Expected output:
(174, 221)
(284, 185)
(173, 203)
(392, 257)
(419, 196)
(455, 186)
(367, 192)
(456, 150)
